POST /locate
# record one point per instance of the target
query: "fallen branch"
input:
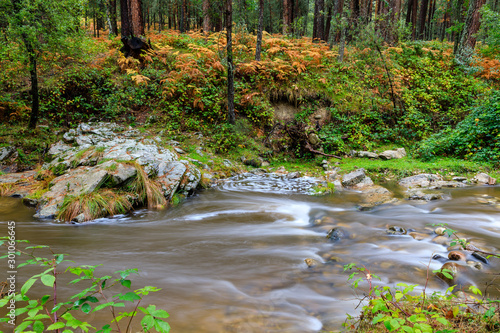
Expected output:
(308, 146)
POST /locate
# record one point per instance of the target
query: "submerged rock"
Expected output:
(396, 230)
(336, 234)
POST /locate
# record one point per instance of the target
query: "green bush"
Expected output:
(477, 137)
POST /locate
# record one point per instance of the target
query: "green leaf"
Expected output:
(23, 325)
(162, 326)
(27, 285)
(48, 280)
(160, 314)
(130, 296)
(56, 326)
(105, 329)
(38, 326)
(102, 306)
(147, 322)
(442, 321)
(59, 258)
(44, 299)
(126, 283)
(86, 308)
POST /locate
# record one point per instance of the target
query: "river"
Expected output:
(231, 259)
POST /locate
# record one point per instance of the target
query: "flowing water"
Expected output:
(231, 259)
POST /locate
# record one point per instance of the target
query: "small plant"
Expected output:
(400, 310)
(97, 294)
(94, 205)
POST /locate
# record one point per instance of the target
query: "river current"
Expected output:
(231, 259)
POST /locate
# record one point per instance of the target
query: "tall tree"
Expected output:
(111, 16)
(206, 16)
(471, 27)
(319, 20)
(258, 48)
(230, 68)
(42, 26)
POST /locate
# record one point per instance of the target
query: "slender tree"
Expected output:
(230, 68)
(41, 26)
(206, 16)
(258, 48)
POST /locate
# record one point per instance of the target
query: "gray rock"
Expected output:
(459, 179)
(227, 163)
(180, 151)
(364, 154)
(419, 195)
(69, 136)
(483, 178)
(6, 152)
(80, 218)
(119, 173)
(393, 154)
(421, 180)
(314, 139)
(353, 178)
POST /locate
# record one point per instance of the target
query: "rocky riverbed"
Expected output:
(97, 156)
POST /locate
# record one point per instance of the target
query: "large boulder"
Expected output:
(107, 153)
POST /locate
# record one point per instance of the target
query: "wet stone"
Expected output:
(418, 236)
(336, 234)
(396, 230)
(456, 256)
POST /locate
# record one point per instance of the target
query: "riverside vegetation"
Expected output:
(445, 115)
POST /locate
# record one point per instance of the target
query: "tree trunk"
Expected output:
(286, 13)
(124, 15)
(230, 69)
(471, 27)
(421, 21)
(35, 102)
(206, 17)
(319, 19)
(136, 17)
(258, 49)
(111, 11)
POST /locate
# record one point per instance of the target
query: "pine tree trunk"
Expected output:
(423, 15)
(258, 49)
(206, 17)
(230, 68)
(471, 27)
(124, 15)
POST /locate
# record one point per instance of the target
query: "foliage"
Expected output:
(490, 30)
(400, 310)
(475, 138)
(49, 312)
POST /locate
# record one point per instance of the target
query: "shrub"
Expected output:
(477, 137)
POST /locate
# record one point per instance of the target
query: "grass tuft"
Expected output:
(94, 205)
(147, 190)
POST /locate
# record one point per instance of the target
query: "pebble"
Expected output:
(418, 236)
(456, 256)
(440, 231)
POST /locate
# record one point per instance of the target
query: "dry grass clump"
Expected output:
(146, 189)
(6, 189)
(94, 205)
